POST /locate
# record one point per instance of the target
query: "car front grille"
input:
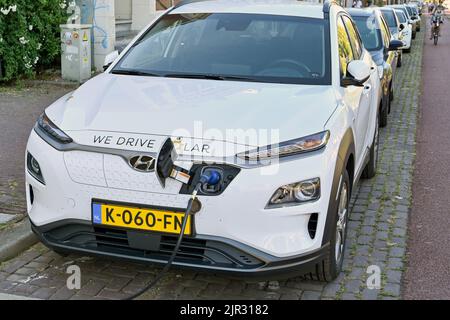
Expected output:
(151, 247)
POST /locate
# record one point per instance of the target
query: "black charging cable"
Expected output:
(204, 179)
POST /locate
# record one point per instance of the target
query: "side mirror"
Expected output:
(401, 27)
(358, 72)
(395, 45)
(414, 17)
(109, 59)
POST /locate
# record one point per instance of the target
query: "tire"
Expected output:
(330, 267)
(371, 168)
(407, 50)
(436, 38)
(399, 60)
(391, 96)
(383, 119)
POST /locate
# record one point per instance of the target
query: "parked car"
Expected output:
(409, 18)
(414, 12)
(378, 41)
(405, 28)
(93, 175)
(395, 28)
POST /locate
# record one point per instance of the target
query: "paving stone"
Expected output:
(331, 290)
(370, 294)
(397, 252)
(111, 294)
(92, 288)
(63, 294)
(391, 289)
(394, 276)
(43, 293)
(311, 295)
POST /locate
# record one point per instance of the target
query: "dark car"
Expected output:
(377, 39)
(395, 27)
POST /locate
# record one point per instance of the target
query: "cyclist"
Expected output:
(437, 15)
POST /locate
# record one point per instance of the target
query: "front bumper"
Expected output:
(74, 178)
(200, 253)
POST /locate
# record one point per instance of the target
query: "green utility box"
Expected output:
(76, 61)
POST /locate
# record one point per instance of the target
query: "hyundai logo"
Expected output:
(142, 163)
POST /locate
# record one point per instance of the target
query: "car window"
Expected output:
(403, 9)
(370, 34)
(258, 47)
(401, 16)
(344, 46)
(388, 15)
(409, 9)
(353, 36)
(385, 32)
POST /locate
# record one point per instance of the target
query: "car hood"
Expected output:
(193, 108)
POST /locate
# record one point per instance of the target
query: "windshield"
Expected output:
(369, 32)
(224, 46)
(401, 16)
(390, 19)
(409, 10)
(403, 9)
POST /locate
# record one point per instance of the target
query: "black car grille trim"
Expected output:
(192, 251)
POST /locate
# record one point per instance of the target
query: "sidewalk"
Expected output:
(428, 274)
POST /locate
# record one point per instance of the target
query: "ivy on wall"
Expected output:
(29, 35)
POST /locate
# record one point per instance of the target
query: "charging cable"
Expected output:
(211, 178)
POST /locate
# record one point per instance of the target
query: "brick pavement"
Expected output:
(377, 236)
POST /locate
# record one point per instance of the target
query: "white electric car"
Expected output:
(280, 100)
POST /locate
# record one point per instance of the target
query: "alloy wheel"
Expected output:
(341, 225)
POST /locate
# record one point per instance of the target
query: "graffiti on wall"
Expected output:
(91, 13)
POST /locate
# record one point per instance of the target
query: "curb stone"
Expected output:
(15, 239)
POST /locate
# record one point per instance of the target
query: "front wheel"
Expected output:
(399, 61)
(330, 267)
(436, 38)
(384, 110)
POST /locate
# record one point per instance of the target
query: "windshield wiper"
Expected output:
(209, 77)
(135, 73)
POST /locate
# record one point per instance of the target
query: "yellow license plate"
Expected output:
(140, 218)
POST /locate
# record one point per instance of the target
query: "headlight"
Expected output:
(52, 130)
(380, 71)
(296, 193)
(302, 145)
(34, 168)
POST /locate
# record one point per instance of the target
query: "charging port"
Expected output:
(215, 188)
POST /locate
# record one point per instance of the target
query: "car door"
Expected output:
(390, 57)
(357, 98)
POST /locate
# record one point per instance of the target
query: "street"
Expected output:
(428, 275)
(378, 223)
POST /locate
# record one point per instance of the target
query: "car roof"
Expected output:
(280, 7)
(362, 12)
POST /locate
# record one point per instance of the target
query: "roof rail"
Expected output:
(327, 5)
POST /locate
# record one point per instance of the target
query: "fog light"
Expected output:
(296, 193)
(34, 168)
(308, 190)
